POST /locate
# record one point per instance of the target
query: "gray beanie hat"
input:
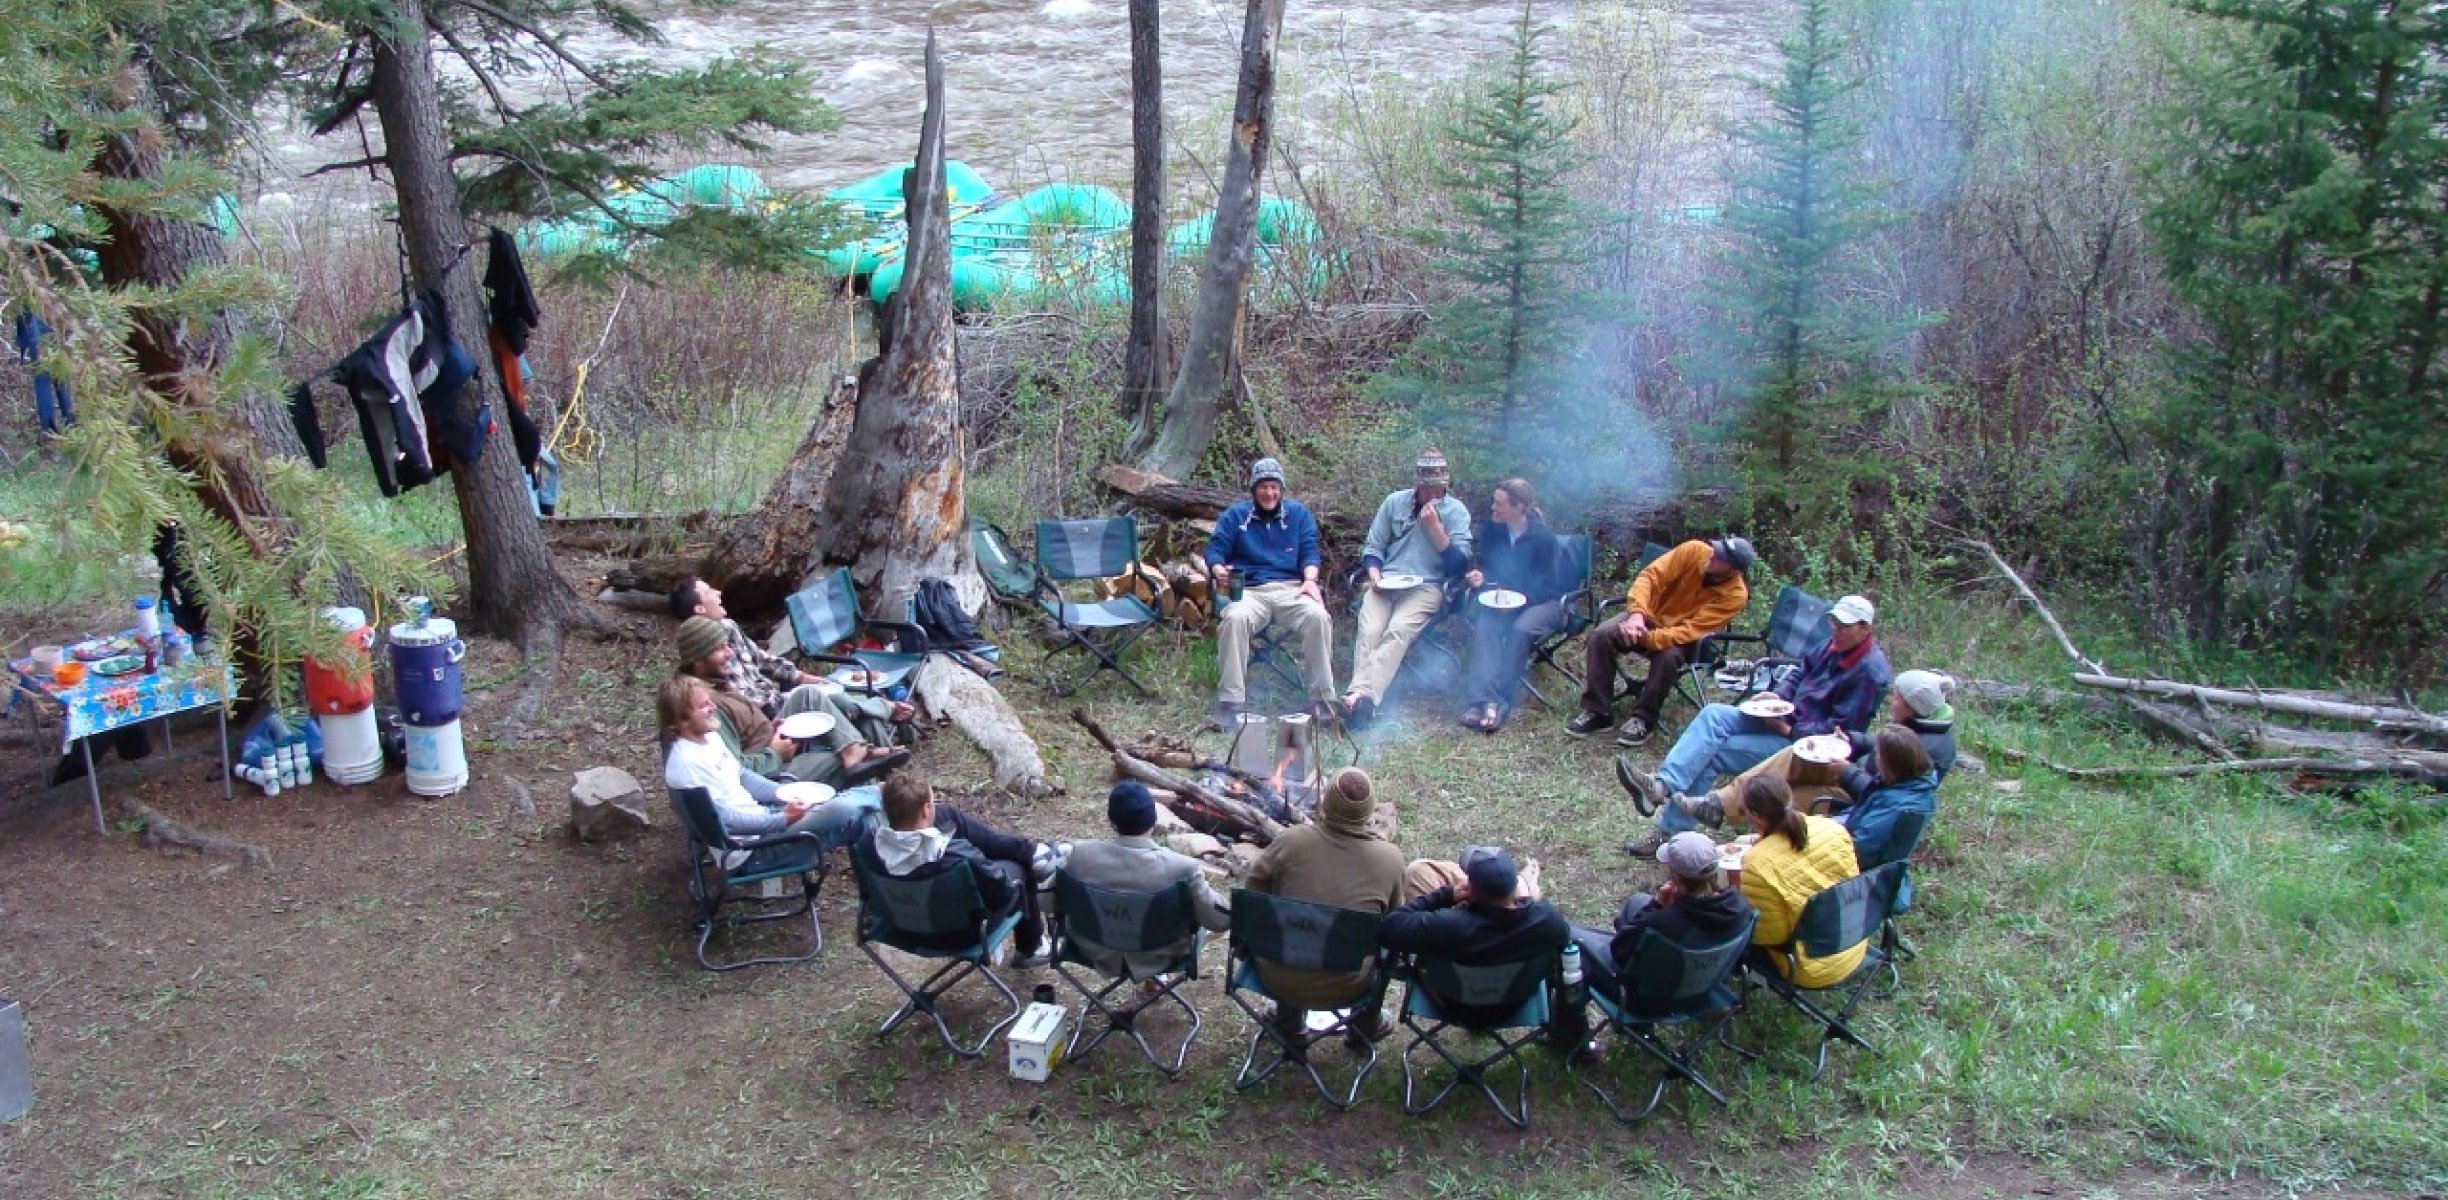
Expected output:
(1265, 469)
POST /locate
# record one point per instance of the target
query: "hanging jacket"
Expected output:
(384, 377)
(308, 423)
(513, 311)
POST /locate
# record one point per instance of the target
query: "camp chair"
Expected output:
(1580, 613)
(1316, 937)
(1009, 576)
(1126, 923)
(1797, 624)
(1105, 629)
(1668, 985)
(712, 881)
(1900, 846)
(1504, 1002)
(826, 613)
(1848, 913)
(911, 916)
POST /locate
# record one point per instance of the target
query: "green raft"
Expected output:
(877, 199)
(1064, 240)
(649, 206)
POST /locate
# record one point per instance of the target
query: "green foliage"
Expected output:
(2298, 208)
(1500, 349)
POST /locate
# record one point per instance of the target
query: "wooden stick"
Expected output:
(2329, 768)
(1134, 767)
(2033, 598)
(2385, 718)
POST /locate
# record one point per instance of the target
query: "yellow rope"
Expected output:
(582, 442)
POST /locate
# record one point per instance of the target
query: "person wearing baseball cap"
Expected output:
(1695, 908)
(1836, 690)
(1690, 592)
(1422, 535)
(1492, 916)
(1917, 703)
(1266, 547)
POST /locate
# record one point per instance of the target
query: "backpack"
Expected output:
(936, 610)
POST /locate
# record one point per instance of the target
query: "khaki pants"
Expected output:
(856, 719)
(1389, 623)
(1809, 781)
(1425, 875)
(1258, 608)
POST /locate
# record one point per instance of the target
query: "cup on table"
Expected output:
(69, 673)
(47, 659)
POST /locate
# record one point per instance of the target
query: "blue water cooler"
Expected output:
(425, 654)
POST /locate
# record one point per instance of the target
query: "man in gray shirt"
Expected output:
(1420, 537)
(1133, 862)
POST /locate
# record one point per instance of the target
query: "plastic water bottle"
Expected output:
(305, 765)
(148, 619)
(272, 777)
(1572, 964)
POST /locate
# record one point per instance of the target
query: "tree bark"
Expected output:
(894, 507)
(1211, 359)
(763, 556)
(513, 589)
(1147, 359)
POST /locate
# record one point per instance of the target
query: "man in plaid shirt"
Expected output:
(765, 679)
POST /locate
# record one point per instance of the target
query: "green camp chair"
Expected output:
(919, 917)
(826, 614)
(1506, 1003)
(1669, 986)
(1009, 576)
(1126, 923)
(720, 865)
(1314, 937)
(1068, 551)
(1847, 914)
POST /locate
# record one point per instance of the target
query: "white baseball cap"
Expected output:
(1853, 610)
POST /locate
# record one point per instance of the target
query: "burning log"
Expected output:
(1261, 828)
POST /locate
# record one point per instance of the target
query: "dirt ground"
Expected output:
(453, 998)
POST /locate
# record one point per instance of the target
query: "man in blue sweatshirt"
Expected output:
(1266, 550)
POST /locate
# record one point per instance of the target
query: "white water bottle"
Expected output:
(305, 765)
(1572, 964)
(272, 777)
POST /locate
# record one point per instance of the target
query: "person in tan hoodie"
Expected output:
(1690, 592)
(1341, 861)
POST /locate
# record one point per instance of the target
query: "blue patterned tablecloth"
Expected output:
(100, 704)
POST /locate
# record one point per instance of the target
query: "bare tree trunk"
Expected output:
(1211, 360)
(513, 589)
(763, 556)
(1147, 360)
(894, 506)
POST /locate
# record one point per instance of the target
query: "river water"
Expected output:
(1039, 90)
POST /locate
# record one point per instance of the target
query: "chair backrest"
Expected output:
(1799, 622)
(1573, 553)
(1665, 975)
(1903, 838)
(1125, 922)
(1481, 997)
(1296, 933)
(824, 613)
(1849, 912)
(1093, 549)
(935, 906)
(1004, 570)
(698, 816)
(1650, 552)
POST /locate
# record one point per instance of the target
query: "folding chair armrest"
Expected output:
(770, 840)
(839, 660)
(907, 638)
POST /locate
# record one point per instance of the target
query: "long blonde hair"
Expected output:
(1518, 490)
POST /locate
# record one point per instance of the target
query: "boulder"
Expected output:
(1168, 824)
(606, 803)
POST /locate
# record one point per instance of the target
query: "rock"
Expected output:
(1194, 844)
(1243, 856)
(1167, 824)
(607, 803)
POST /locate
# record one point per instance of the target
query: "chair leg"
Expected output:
(1290, 1049)
(924, 999)
(1475, 1073)
(710, 902)
(1125, 1020)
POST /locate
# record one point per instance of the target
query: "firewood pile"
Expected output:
(1207, 809)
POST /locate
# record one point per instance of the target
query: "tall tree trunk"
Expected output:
(1211, 361)
(762, 557)
(894, 507)
(513, 590)
(1147, 360)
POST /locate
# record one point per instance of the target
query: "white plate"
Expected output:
(1730, 858)
(1766, 705)
(1398, 582)
(1826, 749)
(1501, 598)
(806, 726)
(855, 677)
(810, 794)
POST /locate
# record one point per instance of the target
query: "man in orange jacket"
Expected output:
(1690, 592)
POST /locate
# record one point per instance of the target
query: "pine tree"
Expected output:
(2299, 209)
(1796, 339)
(1493, 355)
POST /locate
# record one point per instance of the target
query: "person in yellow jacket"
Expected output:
(1690, 592)
(1793, 857)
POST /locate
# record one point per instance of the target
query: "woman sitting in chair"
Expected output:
(1517, 554)
(1792, 857)
(1905, 782)
(750, 804)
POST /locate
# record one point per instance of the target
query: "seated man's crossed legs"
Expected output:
(1720, 741)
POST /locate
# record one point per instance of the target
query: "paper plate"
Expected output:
(1730, 857)
(1826, 749)
(1501, 598)
(1767, 705)
(810, 794)
(806, 726)
(855, 677)
(125, 664)
(1398, 582)
(97, 649)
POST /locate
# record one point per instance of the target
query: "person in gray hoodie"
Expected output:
(1421, 532)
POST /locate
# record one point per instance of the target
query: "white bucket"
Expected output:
(352, 747)
(437, 759)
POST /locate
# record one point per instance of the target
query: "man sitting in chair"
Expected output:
(760, 676)
(1421, 534)
(1836, 691)
(1918, 702)
(1133, 862)
(748, 803)
(1491, 915)
(1267, 545)
(918, 838)
(1690, 592)
(1336, 860)
(844, 753)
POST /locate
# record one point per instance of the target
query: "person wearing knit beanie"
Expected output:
(1350, 798)
(1338, 861)
(1132, 862)
(1419, 539)
(698, 638)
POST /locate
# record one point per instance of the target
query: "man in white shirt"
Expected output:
(750, 804)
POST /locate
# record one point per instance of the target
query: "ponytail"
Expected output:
(1519, 489)
(1769, 799)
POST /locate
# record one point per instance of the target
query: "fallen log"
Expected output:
(1265, 828)
(629, 533)
(947, 689)
(2033, 598)
(2318, 768)
(2385, 718)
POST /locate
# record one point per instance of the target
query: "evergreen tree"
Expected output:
(1796, 338)
(2299, 210)
(1495, 351)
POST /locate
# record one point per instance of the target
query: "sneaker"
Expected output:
(1646, 846)
(1647, 792)
(1360, 1039)
(1585, 723)
(1226, 713)
(1633, 732)
(1048, 859)
(1033, 959)
(1705, 809)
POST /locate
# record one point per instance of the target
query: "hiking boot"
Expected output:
(1033, 959)
(1707, 810)
(1647, 792)
(1645, 847)
(1585, 723)
(1633, 732)
(1360, 714)
(1226, 713)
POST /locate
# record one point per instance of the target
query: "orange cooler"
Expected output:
(339, 689)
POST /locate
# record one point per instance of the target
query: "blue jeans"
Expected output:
(51, 404)
(837, 822)
(1720, 741)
